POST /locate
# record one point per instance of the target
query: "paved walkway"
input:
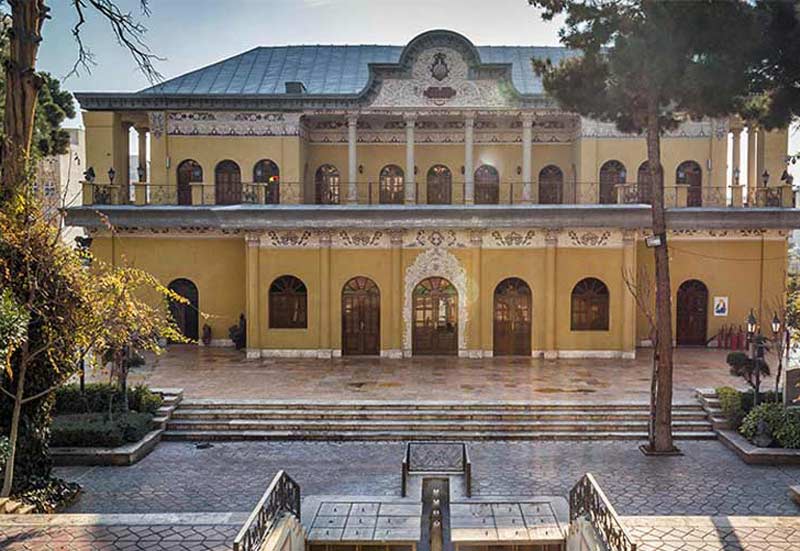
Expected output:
(225, 373)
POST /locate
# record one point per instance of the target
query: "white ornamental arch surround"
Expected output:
(435, 263)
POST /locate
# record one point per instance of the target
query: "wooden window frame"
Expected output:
(288, 303)
(590, 303)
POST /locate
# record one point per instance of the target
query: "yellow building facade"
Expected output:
(426, 199)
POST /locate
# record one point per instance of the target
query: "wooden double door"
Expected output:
(512, 318)
(435, 318)
(692, 318)
(361, 317)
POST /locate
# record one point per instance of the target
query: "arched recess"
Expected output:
(186, 316)
(267, 172)
(361, 317)
(327, 184)
(288, 303)
(690, 174)
(440, 185)
(435, 318)
(643, 185)
(441, 263)
(692, 315)
(612, 174)
(512, 318)
(551, 185)
(227, 183)
(392, 185)
(590, 305)
(189, 172)
(487, 185)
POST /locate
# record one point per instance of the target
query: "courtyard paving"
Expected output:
(225, 373)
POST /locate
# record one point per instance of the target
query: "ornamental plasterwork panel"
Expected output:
(440, 78)
(233, 123)
(706, 128)
(424, 239)
(513, 239)
(158, 125)
(278, 239)
(732, 234)
(430, 263)
(590, 239)
(360, 239)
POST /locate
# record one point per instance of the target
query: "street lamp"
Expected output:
(736, 174)
(776, 324)
(83, 244)
(140, 173)
(111, 174)
(765, 178)
(751, 325)
(778, 338)
(756, 347)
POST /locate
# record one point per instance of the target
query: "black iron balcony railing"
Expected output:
(336, 192)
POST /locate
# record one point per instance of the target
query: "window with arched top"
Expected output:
(590, 305)
(487, 185)
(227, 183)
(392, 185)
(644, 187)
(267, 173)
(189, 172)
(440, 185)
(690, 174)
(551, 185)
(612, 174)
(326, 185)
(288, 303)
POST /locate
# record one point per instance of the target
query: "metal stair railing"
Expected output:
(587, 500)
(282, 496)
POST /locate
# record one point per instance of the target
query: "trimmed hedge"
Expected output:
(783, 424)
(94, 430)
(95, 398)
(736, 405)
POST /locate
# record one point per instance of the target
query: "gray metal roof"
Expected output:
(331, 69)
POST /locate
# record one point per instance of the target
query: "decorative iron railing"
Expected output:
(587, 500)
(282, 496)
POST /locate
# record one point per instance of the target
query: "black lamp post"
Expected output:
(83, 244)
(778, 338)
(756, 351)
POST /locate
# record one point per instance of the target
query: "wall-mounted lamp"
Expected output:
(140, 173)
(89, 174)
(519, 170)
(361, 169)
(416, 170)
(462, 170)
(111, 174)
(765, 178)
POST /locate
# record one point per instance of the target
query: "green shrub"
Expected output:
(788, 434)
(95, 397)
(783, 425)
(5, 451)
(763, 398)
(730, 400)
(144, 400)
(94, 430)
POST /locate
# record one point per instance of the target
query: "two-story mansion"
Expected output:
(425, 199)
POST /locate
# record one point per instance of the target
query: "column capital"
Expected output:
(527, 120)
(252, 239)
(325, 238)
(352, 119)
(476, 237)
(551, 237)
(396, 238)
(469, 119)
(409, 118)
(628, 237)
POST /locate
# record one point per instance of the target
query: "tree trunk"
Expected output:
(8, 477)
(22, 89)
(662, 437)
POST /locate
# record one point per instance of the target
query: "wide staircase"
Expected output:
(202, 420)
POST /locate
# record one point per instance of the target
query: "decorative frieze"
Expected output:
(707, 128)
(288, 239)
(232, 123)
(513, 239)
(450, 239)
(358, 239)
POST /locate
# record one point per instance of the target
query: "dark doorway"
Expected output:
(440, 185)
(267, 172)
(690, 174)
(189, 172)
(692, 313)
(361, 317)
(551, 186)
(435, 314)
(228, 183)
(185, 315)
(512, 318)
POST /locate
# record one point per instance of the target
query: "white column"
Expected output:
(527, 146)
(736, 162)
(410, 178)
(352, 159)
(469, 164)
(752, 169)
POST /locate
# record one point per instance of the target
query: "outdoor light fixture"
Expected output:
(140, 172)
(736, 173)
(361, 169)
(751, 324)
(89, 174)
(654, 241)
(776, 324)
(519, 170)
(111, 174)
(765, 178)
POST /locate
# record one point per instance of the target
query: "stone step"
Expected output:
(230, 435)
(450, 415)
(439, 426)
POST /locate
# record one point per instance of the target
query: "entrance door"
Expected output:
(361, 317)
(435, 318)
(185, 315)
(512, 318)
(440, 183)
(692, 313)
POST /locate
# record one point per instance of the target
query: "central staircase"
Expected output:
(202, 420)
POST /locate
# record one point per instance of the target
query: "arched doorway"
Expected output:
(487, 185)
(189, 172)
(435, 318)
(326, 185)
(267, 172)
(692, 313)
(512, 318)
(643, 184)
(361, 317)
(228, 183)
(185, 315)
(612, 174)
(551, 185)
(440, 184)
(392, 185)
(690, 174)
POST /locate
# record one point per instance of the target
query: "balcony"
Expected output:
(456, 193)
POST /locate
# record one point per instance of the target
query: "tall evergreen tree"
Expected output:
(648, 65)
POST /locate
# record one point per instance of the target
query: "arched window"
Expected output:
(326, 185)
(227, 183)
(267, 172)
(590, 305)
(189, 172)
(487, 185)
(643, 185)
(440, 183)
(551, 185)
(612, 174)
(392, 185)
(690, 174)
(288, 303)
